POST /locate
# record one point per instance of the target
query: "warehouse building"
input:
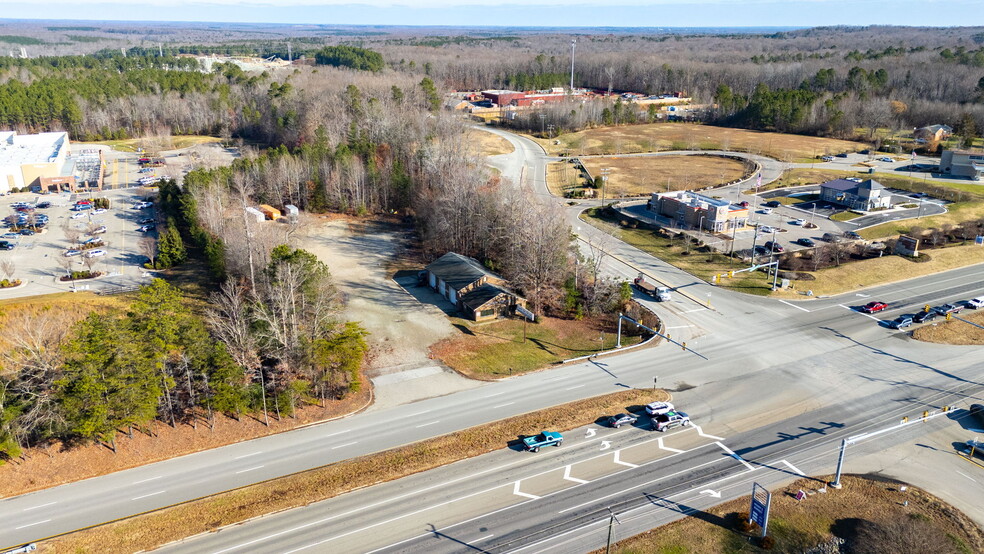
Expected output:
(25, 159)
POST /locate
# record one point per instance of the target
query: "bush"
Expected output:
(6, 283)
(767, 542)
(743, 525)
(76, 275)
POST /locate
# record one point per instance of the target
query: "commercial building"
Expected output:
(961, 163)
(474, 290)
(25, 159)
(503, 98)
(689, 210)
(855, 194)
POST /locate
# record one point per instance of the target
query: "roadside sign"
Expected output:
(759, 512)
(526, 313)
(979, 240)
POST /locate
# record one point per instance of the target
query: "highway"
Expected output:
(773, 369)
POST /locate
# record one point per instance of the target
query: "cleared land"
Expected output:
(156, 143)
(487, 144)
(150, 530)
(497, 349)
(800, 525)
(643, 175)
(688, 136)
(954, 331)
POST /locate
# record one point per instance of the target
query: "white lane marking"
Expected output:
(31, 524)
(503, 405)
(703, 434)
(486, 537)
(41, 506)
(858, 312)
(659, 442)
(574, 387)
(151, 494)
(794, 468)
(338, 433)
(680, 327)
(344, 445)
(694, 310)
(494, 395)
(620, 462)
(517, 492)
(735, 456)
(795, 306)
(967, 476)
(426, 424)
(148, 479)
(420, 413)
(250, 469)
(247, 455)
(567, 476)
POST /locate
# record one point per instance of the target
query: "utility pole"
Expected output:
(611, 524)
(604, 182)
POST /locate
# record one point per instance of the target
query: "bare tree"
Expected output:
(8, 267)
(229, 316)
(71, 233)
(148, 247)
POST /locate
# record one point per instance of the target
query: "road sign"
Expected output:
(526, 313)
(759, 512)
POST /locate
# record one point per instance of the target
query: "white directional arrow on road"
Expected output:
(589, 433)
(711, 493)
(605, 445)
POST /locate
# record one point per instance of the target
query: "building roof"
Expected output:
(31, 149)
(693, 199)
(935, 128)
(457, 271)
(861, 189)
(870, 184)
(475, 298)
(842, 185)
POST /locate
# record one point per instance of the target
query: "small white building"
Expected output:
(259, 216)
(25, 159)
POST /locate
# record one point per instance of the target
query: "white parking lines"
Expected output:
(659, 442)
(250, 469)
(32, 524)
(344, 445)
(426, 424)
(148, 495)
(517, 492)
(794, 468)
(148, 479)
(620, 462)
(503, 405)
(735, 456)
(703, 434)
(567, 476)
(795, 306)
(48, 504)
(247, 455)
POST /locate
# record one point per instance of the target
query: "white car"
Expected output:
(70, 253)
(767, 229)
(975, 303)
(766, 211)
(79, 215)
(95, 253)
(98, 211)
(142, 205)
(799, 222)
(98, 230)
(658, 408)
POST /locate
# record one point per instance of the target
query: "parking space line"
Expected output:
(517, 492)
(659, 442)
(735, 456)
(567, 476)
(620, 462)
(794, 468)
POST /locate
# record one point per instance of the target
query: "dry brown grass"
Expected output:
(487, 144)
(688, 136)
(643, 175)
(561, 176)
(954, 331)
(208, 514)
(798, 526)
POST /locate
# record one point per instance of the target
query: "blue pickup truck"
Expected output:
(546, 438)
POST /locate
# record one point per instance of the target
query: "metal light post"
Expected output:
(543, 118)
(604, 182)
(700, 226)
(772, 256)
(573, 44)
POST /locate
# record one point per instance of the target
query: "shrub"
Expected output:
(767, 542)
(743, 525)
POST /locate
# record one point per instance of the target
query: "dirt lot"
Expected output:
(487, 144)
(914, 520)
(637, 175)
(687, 136)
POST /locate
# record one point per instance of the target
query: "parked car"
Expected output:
(759, 250)
(670, 420)
(773, 203)
(98, 211)
(831, 237)
(98, 230)
(766, 229)
(765, 211)
(827, 158)
(948, 309)
(619, 420)
(145, 221)
(923, 317)
(143, 205)
(546, 438)
(27, 232)
(4, 245)
(798, 222)
(11, 235)
(70, 253)
(743, 203)
(975, 303)
(78, 215)
(886, 159)
(805, 242)
(146, 228)
(774, 246)
(95, 253)
(865, 151)
(842, 155)
(43, 204)
(900, 322)
(852, 235)
(874, 307)
(918, 195)
(657, 408)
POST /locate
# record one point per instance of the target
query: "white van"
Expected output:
(976, 303)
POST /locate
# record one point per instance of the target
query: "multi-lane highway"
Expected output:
(782, 384)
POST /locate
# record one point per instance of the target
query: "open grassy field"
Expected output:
(497, 349)
(799, 525)
(487, 144)
(688, 136)
(147, 531)
(643, 175)
(954, 331)
(155, 143)
(703, 265)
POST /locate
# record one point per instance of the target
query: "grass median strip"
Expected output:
(150, 530)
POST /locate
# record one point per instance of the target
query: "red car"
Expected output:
(874, 307)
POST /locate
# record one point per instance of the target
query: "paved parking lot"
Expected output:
(36, 258)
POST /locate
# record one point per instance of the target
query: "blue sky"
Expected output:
(577, 13)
